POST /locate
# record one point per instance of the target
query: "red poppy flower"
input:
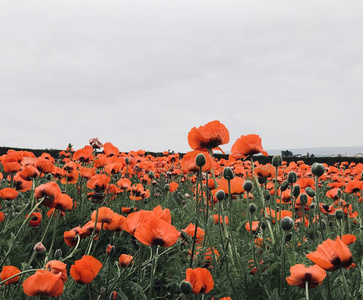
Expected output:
(190, 230)
(56, 266)
(110, 150)
(2, 216)
(247, 145)
(44, 165)
(7, 272)
(255, 225)
(70, 237)
(44, 283)
(200, 279)
(105, 215)
(8, 194)
(85, 269)
(64, 203)
(349, 239)
(188, 164)
(21, 184)
(125, 260)
(83, 155)
(29, 172)
(98, 182)
(209, 136)
(156, 232)
(10, 165)
(51, 191)
(331, 255)
(35, 219)
(87, 172)
(300, 274)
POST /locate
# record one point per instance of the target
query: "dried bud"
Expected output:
(166, 187)
(186, 195)
(317, 169)
(228, 173)
(276, 160)
(220, 195)
(248, 185)
(286, 223)
(39, 247)
(200, 160)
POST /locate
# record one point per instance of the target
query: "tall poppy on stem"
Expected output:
(247, 145)
(300, 274)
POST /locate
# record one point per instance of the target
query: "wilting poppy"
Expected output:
(7, 272)
(156, 232)
(300, 274)
(8, 194)
(200, 279)
(85, 269)
(56, 266)
(247, 145)
(125, 260)
(209, 136)
(331, 255)
(44, 283)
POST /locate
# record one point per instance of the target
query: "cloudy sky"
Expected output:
(141, 74)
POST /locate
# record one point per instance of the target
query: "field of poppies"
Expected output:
(94, 223)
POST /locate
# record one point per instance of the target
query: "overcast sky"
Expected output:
(141, 74)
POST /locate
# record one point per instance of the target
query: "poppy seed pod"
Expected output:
(151, 174)
(186, 287)
(276, 160)
(200, 160)
(292, 177)
(296, 191)
(303, 198)
(248, 185)
(252, 208)
(228, 173)
(284, 185)
(317, 169)
(310, 191)
(220, 195)
(339, 214)
(286, 223)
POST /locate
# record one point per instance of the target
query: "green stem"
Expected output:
(307, 290)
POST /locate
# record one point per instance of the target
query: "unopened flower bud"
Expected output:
(127, 160)
(261, 180)
(323, 225)
(58, 254)
(276, 160)
(186, 287)
(292, 177)
(339, 214)
(288, 236)
(151, 174)
(220, 195)
(186, 195)
(296, 191)
(317, 169)
(284, 185)
(39, 247)
(110, 250)
(113, 296)
(154, 182)
(312, 206)
(252, 208)
(303, 198)
(286, 223)
(248, 185)
(310, 191)
(228, 173)
(166, 187)
(263, 225)
(200, 160)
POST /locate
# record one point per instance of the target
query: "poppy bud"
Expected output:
(288, 236)
(261, 180)
(110, 250)
(323, 225)
(200, 160)
(303, 198)
(296, 191)
(276, 160)
(286, 223)
(102, 291)
(284, 185)
(267, 195)
(252, 208)
(58, 254)
(263, 225)
(339, 214)
(113, 296)
(317, 169)
(186, 195)
(39, 247)
(310, 191)
(312, 206)
(292, 177)
(220, 195)
(166, 187)
(127, 160)
(154, 182)
(151, 174)
(186, 287)
(228, 173)
(248, 185)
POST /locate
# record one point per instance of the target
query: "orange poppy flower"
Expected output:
(354, 186)
(56, 266)
(190, 230)
(125, 260)
(8, 194)
(117, 223)
(209, 136)
(124, 183)
(200, 279)
(29, 172)
(300, 274)
(236, 185)
(7, 272)
(349, 239)
(255, 225)
(21, 184)
(35, 219)
(156, 232)
(188, 164)
(85, 269)
(98, 182)
(44, 283)
(87, 172)
(44, 165)
(110, 150)
(247, 145)
(51, 191)
(2, 216)
(70, 237)
(83, 155)
(173, 186)
(331, 255)
(216, 221)
(105, 215)
(10, 165)
(64, 203)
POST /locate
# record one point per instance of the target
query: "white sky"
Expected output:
(141, 74)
